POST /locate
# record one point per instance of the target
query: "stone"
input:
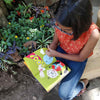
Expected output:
(34, 98)
(21, 64)
(29, 44)
(3, 7)
(3, 20)
(98, 19)
(29, 1)
(16, 57)
(41, 2)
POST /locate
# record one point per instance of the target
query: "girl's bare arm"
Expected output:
(54, 43)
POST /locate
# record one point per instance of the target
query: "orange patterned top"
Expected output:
(74, 47)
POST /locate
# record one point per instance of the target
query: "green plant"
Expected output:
(9, 2)
(3, 64)
(27, 8)
(44, 42)
(4, 61)
(24, 26)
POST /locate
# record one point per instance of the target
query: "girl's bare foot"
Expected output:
(85, 81)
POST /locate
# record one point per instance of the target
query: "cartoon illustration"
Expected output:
(42, 51)
(52, 73)
(58, 66)
(36, 58)
(48, 60)
(41, 69)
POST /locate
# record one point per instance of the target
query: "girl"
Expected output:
(77, 36)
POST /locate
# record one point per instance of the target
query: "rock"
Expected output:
(21, 64)
(16, 57)
(3, 20)
(41, 2)
(29, 44)
(34, 98)
(29, 1)
(98, 19)
(4, 9)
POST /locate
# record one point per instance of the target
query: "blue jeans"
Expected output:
(70, 85)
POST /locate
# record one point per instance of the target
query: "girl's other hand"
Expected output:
(51, 53)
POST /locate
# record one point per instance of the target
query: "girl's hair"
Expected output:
(76, 14)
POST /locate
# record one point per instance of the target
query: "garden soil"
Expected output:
(23, 86)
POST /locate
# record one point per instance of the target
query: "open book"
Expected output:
(47, 70)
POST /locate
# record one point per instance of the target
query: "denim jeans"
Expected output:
(70, 86)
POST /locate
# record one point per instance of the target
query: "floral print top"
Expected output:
(74, 47)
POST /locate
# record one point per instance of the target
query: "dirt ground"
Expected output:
(23, 86)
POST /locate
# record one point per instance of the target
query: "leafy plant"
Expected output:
(5, 58)
(26, 23)
(8, 2)
(44, 42)
(4, 61)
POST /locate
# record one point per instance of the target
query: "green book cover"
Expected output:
(47, 70)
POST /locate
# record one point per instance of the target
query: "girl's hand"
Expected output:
(51, 53)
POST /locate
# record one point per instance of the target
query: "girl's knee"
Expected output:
(61, 93)
(64, 94)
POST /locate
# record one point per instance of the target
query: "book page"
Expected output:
(37, 59)
(47, 70)
(51, 75)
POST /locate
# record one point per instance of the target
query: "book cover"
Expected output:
(47, 70)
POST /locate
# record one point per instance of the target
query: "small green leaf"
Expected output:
(9, 44)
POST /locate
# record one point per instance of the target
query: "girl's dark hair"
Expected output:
(76, 14)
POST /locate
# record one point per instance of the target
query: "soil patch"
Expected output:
(23, 86)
